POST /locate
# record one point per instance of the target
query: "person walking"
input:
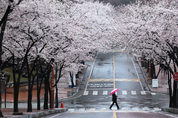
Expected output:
(114, 100)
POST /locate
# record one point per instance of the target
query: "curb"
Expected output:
(38, 114)
(171, 110)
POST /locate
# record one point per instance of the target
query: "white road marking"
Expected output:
(91, 71)
(102, 109)
(133, 92)
(143, 93)
(55, 116)
(105, 92)
(137, 73)
(92, 109)
(145, 108)
(124, 92)
(157, 109)
(135, 108)
(153, 93)
(86, 93)
(124, 108)
(95, 92)
(71, 110)
(82, 109)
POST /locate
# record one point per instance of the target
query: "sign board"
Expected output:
(154, 82)
(175, 76)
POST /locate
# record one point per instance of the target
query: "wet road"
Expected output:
(109, 71)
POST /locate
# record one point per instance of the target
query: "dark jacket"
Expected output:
(114, 97)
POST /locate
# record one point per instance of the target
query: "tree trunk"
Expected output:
(46, 94)
(49, 90)
(30, 83)
(16, 93)
(175, 94)
(56, 98)
(29, 109)
(39, 86)
(56, 81)
(47, 86)
(38, 93)
(170, 90)
(71, 78)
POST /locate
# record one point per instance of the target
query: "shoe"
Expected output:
(118, 108)
(110, 108)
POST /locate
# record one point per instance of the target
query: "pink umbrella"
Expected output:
(113, 91)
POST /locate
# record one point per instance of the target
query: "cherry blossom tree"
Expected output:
(150, 31)
(65, 32)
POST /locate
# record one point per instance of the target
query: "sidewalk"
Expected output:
(7, 113)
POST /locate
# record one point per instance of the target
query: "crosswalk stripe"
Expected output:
(92, 109)
(124, 92)
(133, 92)
(71, 110)
(122, 108)
(95, 92)
(86, 93)
(135, 108)
(143, 93)
(145, 108)
(157, 109)
(103, 109)
(82, 109)
(153, 93)
(105, 92)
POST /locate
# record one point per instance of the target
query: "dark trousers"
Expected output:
(113, 104)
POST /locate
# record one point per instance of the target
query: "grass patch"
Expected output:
(9, 70)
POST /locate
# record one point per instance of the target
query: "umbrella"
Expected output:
(113, 91)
